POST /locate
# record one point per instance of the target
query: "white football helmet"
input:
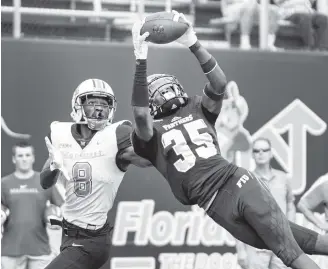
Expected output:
(92, 87)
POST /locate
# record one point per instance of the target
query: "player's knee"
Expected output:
(305, 238)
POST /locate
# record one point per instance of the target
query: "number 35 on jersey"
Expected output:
(202, 141)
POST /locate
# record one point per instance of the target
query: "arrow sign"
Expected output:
(297, 119)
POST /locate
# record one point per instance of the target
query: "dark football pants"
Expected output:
(83, 249)
(245, 207)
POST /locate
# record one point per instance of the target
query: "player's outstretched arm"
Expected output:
(140, 105)
(126, 154)
(53, 167)
(48, 178)
(130, 157)
(214, 91)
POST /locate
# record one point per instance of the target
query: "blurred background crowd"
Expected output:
(269, 24)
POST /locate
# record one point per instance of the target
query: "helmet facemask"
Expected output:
(166, 95)
(96, 109)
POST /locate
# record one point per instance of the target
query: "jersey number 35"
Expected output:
(204, 140)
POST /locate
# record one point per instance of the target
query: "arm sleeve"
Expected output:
(145, 149)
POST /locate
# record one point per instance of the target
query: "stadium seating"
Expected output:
(207, 18)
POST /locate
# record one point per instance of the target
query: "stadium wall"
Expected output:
(286, 94)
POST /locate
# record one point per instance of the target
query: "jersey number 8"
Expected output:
(82, 175)
(205, 150)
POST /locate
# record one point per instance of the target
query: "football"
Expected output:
(164, 27)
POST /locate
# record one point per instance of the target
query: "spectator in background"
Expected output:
(317, 195)
(278, 184)
(25, 242)
(245, 13)
(312, 25)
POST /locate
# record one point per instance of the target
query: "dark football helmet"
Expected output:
(166, 94)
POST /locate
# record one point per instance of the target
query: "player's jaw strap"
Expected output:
(140, 88)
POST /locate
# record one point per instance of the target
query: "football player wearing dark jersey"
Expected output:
(176, 134)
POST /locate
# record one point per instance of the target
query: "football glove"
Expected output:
(139, 43)
(56, 158)
(189, 38)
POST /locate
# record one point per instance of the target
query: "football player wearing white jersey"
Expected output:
(90, 156)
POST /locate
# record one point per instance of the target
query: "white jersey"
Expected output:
(94, 175)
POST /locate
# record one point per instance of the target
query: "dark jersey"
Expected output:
(185, 150)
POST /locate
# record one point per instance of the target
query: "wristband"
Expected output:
(195, 47)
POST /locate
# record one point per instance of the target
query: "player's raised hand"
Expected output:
(139, 41)
(56, 158)
(189, 38)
